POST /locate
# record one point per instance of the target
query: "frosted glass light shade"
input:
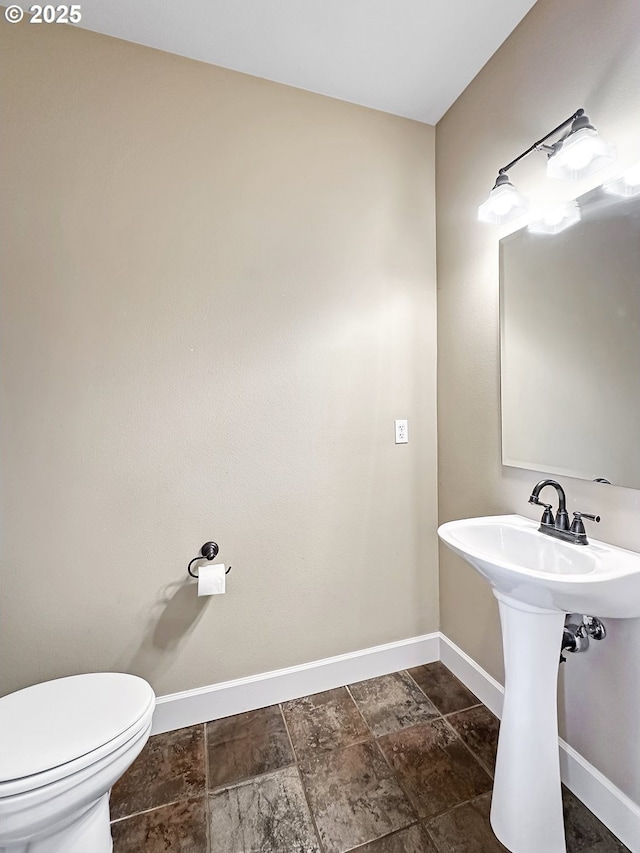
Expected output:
(504, 203)
(557, 220)
(625, 185)
(581, 154)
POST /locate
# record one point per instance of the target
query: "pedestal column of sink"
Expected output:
(526, 809)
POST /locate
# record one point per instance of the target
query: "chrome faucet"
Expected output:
(559, 526)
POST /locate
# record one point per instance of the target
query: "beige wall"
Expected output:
(217, 294)
(563, 56)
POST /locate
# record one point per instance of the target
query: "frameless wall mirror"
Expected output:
(570, 344)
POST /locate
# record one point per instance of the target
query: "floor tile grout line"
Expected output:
(443, 812)
(442, 714)
(207, 810)
(394, 731)
(422, 690)
(194, 795)
(422, 823)
(247, 779)
(431, 836)
(304, 790)
(426, 821)
(347, 687)
(157, 808)
(468, 748)
(381, 837)
(462, 710)
(301, 756)
(409, 799)
(320, 752)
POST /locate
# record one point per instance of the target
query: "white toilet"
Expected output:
(63, 744)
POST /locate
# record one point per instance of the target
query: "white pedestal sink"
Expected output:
(537, 580)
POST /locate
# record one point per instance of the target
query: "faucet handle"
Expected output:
(577, 526)
(547, 515)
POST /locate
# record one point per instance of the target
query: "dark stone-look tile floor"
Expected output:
(397, 764)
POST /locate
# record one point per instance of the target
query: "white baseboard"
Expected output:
(599, 794)
(269, 688)
(489, 691)
(620, 814)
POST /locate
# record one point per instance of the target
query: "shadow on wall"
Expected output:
(172, 619)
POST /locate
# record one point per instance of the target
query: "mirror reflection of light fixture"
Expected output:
(625, 185)
(575, 155)
(556, 220)
(504, 203)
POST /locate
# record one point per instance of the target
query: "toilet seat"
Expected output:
(55, 729)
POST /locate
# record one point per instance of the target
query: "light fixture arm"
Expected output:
(539, 145)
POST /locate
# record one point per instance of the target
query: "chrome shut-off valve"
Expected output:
(576, 635)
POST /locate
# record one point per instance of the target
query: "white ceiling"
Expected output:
(408, 57)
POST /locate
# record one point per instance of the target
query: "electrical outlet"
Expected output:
(402, 432)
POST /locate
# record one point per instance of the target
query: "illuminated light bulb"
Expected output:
(504, 203)
(556, 220)
(579, 155)
(555, 217)
(625, 185)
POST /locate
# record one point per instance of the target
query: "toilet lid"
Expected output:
(52, 723)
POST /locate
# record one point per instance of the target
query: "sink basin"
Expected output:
(537, 580)
(534, 568)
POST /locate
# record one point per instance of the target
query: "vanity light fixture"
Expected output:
(556, 220)
(576, 154)
(625, 185)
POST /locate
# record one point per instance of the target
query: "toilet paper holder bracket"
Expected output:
(209, 551)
